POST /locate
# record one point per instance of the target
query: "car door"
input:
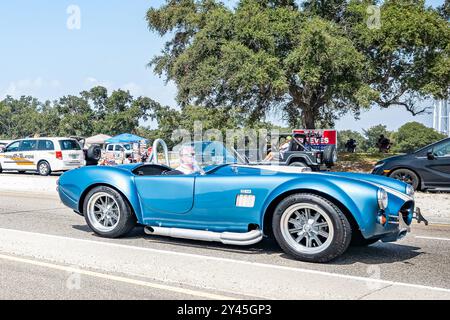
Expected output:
(439, 165)
(232, 198)
(27, 154)
(9, 156)
(166, 195)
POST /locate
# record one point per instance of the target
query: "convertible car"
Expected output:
(313, 216)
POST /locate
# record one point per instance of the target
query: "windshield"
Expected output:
(212, 153)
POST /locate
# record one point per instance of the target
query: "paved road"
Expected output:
(47, 252)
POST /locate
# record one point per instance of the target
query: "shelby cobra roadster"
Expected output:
(313, 216)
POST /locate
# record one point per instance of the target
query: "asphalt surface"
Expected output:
(48, 252)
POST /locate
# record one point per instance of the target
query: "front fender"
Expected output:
(359, 199)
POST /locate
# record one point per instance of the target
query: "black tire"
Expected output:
(43, 168)
(127, 219)
(342, 231)
(94, 153)
(406, 176)
(298, 164)
(1, 169)
(359, 241)
(330, 155)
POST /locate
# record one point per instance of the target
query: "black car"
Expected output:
(426, 168)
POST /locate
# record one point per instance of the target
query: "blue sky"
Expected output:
(41, 56)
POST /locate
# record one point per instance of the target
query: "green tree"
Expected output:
(413, 136)
(119, 112)
(344, 135)
(315, 63)
(263, 55)
(373, 134)
(75, 116)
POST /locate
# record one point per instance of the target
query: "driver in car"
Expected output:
(188, 164)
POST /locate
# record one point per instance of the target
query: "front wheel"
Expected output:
(311, 228)
(107, 213)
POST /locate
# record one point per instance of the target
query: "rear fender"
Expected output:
(77, 183)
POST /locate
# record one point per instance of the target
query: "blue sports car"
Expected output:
(313, 216)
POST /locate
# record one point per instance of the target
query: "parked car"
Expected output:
(44, 155)
(293, 150)
(313, 216)
(4, 143)
(92, 153)
(117, 149)
(426, 168)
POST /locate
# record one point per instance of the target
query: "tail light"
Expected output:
(59, 155)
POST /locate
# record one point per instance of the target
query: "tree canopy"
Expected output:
(92, 112)
(315, 62)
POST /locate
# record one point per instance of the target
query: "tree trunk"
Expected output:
(302, 101)
(308, 118)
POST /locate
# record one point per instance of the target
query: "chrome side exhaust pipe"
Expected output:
(239, 239)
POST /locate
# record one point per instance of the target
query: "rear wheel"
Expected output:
(107, 213)
(406, 176)
(44, 168)
(311, 228)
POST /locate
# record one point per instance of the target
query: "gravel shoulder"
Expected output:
(435, 206)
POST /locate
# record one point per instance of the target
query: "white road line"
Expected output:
(117, 278)
(253, 264)
(432, 238)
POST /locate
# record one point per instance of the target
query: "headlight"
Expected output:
(382, 199)
(410, 190)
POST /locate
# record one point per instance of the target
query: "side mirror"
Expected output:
(430, 155)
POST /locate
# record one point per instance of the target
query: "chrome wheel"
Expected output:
(307, 228)
(43, 168)
(103, 212)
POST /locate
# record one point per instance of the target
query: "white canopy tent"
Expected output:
(98, 139)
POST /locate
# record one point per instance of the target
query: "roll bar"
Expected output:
(155, 151)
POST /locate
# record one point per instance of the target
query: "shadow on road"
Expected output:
(379, 253)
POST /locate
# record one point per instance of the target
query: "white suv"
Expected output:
(44, 155)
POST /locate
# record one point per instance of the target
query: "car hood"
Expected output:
(391, 185)
(393, 158)
(381, 181)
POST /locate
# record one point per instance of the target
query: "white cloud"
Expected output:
(93, 82)
(134, 88)
(33, 87)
